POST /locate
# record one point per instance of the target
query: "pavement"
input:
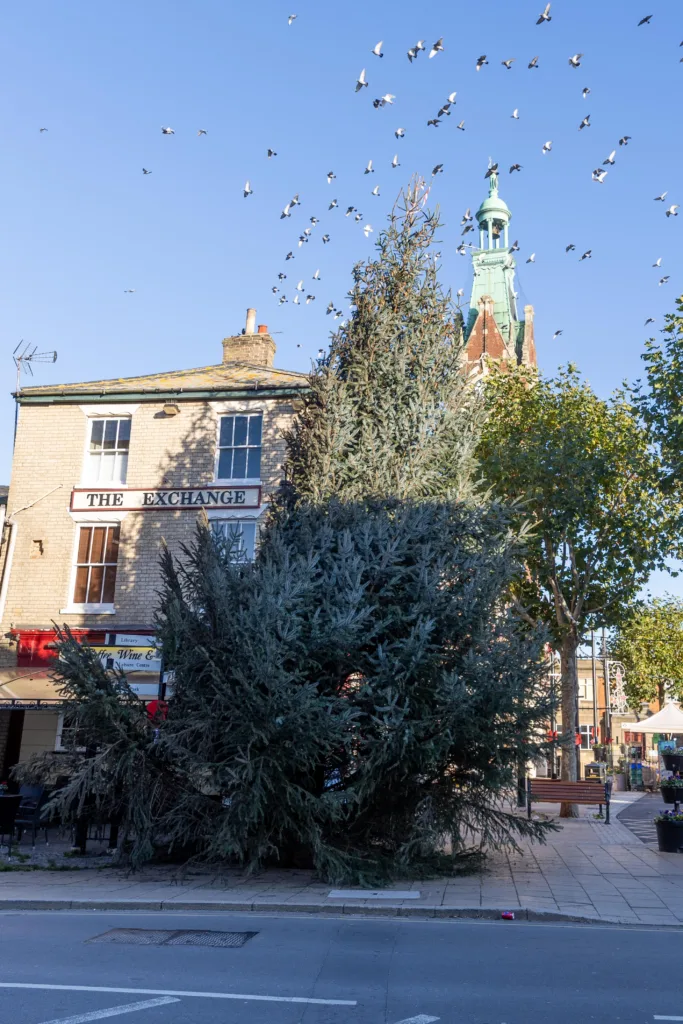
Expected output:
(77, 967)
(587, 872)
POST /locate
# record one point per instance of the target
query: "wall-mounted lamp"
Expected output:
(171, 409)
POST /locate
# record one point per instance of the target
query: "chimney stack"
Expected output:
(253, 346)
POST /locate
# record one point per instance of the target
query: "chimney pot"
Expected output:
(251, 321)
(262, 329)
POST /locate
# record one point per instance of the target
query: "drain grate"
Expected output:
(181, 937)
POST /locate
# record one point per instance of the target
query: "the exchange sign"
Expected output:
(124, 499)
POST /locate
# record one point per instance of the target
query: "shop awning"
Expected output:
(27, 688)
(32, 688)
(668, 720)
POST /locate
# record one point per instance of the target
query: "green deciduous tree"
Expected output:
(661, 399)
(583, 471)
(649, 642)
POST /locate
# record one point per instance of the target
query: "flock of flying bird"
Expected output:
(599, 174)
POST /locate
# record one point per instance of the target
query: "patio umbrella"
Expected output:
(668, 720)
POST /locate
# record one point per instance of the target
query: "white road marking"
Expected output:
(421, 1018)
(180, 994)
(374, 894)
(113, 1011)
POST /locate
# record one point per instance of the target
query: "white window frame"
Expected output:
(242, 521)
(105, 418)
(588, 727)
(586, 689)
(103, 411)
(87, 609)
(59, 746)
(220, 414)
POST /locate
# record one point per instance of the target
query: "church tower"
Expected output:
(493, 330)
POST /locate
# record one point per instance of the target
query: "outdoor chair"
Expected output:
(29, 815)
(9, 805)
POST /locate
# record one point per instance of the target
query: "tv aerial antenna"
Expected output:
(28, 356)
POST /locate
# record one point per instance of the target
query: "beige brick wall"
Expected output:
(165, 451)
(39, 734)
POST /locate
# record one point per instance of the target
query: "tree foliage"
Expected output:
(584, 471)
(661, 400)
(360, 696)
(649, 642)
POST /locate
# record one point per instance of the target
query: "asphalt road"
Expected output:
(361, 971)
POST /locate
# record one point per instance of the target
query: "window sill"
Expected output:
(88, 609)
(236, 483)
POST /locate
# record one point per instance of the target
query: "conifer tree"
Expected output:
(358, 698)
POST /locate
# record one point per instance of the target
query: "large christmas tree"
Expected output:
(358, 698)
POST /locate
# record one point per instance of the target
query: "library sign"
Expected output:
(123, 499)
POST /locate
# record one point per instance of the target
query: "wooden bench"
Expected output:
(557, 792)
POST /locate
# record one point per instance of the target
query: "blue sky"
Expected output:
(81, 223)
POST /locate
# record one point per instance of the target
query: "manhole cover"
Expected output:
(181, 937)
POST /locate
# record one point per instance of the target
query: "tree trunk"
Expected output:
(569, 686)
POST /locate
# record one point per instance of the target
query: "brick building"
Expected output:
(129, 462)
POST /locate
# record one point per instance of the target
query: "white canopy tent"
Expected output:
(668, 720)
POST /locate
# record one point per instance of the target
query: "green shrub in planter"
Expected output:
(669, 826)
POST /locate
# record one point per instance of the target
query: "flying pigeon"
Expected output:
(350, 209)
(508, 63)
(330, 177)
(285, 212)
(310, 298)
(461, 250)
(586, 123)
(283, 298)
(399, 133)
(282, 276)
(599, 176)
(361, 81)
(296, 300)
(645, 21)
(438, 45)
(570, 248)
(545, 16)
(435, 121)
(515, 167)
(461, 126)
(375, 191)
(316, 276)
(358, 218)
(660, 199)
(663, 280)
(481, 61)
(672, 211)
(369, 169)
(271, 153)
(492, 168)
(300, 286)
(533, 63)
(313, 220)
(467, 216)
(47, 129)
(330, 309)
(625, 140)
(610, 158)
(128, 291)
(167, 131)
(547, 146)
(437, 170)
(377, 50)
(290, 256)
(295, 201)
(413, 52)
(658, 263)
(587, 255)
(515, 248)
(460, 292)
(585, 92)
(394, 162)
(444, 110)
(367, 229)
(557, 334)
(515, 114)
(201, 131)
(335, 202)
(575, 61)
(275, 289)
(326, 239)
(291, 18)
(145, 171)
(248, 190)
(532, 258)
(650, 320)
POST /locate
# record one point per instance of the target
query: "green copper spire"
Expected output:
(494, 266)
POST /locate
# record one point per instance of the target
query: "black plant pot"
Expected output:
(669, 836)
(672, 794)
(673, 762)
